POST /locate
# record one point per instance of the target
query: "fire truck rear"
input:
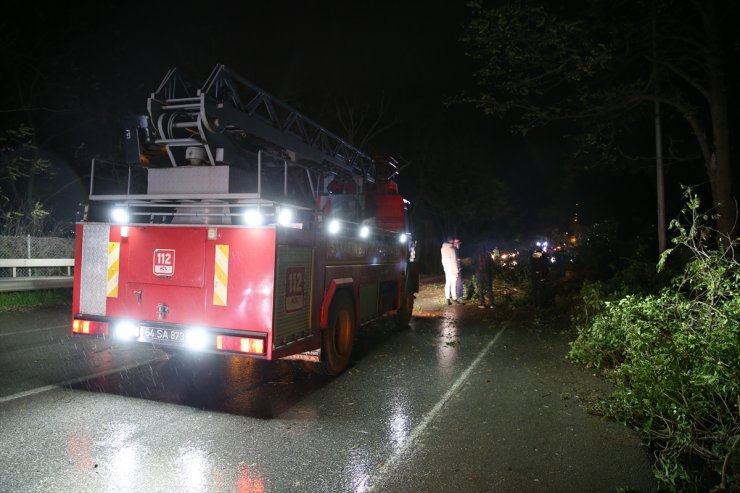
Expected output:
(239, 226)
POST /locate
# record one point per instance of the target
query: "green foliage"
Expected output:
(19, 157)
(616, 257)
(675, 358)
(527, 52)
(26, 300)
(29, 220)
(597, 64)
(514, 274)
(20, 211)
(606, 264)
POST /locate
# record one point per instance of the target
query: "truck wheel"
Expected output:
(337, 339)
(403, 316)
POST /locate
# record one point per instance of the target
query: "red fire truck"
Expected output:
(239, 226)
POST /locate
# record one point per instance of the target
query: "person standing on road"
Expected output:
(538, 270)
(450, 266)
(484, 276)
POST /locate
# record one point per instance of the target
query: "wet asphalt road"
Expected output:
(459, 402)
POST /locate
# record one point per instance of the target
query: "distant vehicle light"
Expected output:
(334, 226)
(402, 238)
(119, 215)
(285, 217)
(364, 231)
(196, 338)
(253, 217)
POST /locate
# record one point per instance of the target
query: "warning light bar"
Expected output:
(240, 344)
(89, 327)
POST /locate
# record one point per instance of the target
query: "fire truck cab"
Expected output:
(239, 226)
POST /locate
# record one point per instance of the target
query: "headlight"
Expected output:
(334, 226)
(364, 231)
(196, 338)
(253, 217)
(285, 217)
(119, 215)
(125, 330)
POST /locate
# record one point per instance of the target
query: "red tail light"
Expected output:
(240, 344)
(89, 327)
(254, 346)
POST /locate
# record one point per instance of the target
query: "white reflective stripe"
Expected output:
(114, 249)
(93, 271)
(221, 275)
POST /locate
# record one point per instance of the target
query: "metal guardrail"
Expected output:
(30, 283)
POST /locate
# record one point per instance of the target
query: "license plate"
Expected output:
(158, 334)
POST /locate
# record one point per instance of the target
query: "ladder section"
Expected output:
(228, 116)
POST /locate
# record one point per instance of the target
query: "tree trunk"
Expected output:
(718, 163)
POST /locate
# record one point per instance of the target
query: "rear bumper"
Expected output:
(174, 336)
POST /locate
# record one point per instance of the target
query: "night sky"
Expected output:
(82, 66)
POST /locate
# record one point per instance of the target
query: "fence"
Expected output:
(28, 263)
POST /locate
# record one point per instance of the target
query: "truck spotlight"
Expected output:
(364, 231)
(126, 330)
(253, 217)
(119, 215)
(334, 226)
(196, 338)
(285, 217)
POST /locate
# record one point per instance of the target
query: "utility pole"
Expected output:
(659, 178)
(658, 143)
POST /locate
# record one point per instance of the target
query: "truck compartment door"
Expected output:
(167, 256)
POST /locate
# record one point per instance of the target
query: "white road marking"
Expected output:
(36, 330)
(77, 380)
(26, 393)
(376, 480)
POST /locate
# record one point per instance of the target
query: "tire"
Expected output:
(403, 316)
(338, 338)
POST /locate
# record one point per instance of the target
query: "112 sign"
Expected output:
(164, 262)
(294, 288)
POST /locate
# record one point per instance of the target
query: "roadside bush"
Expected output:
(516, 274)
(675, 359)
(606, 264)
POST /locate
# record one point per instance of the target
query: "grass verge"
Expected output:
(25, 300)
